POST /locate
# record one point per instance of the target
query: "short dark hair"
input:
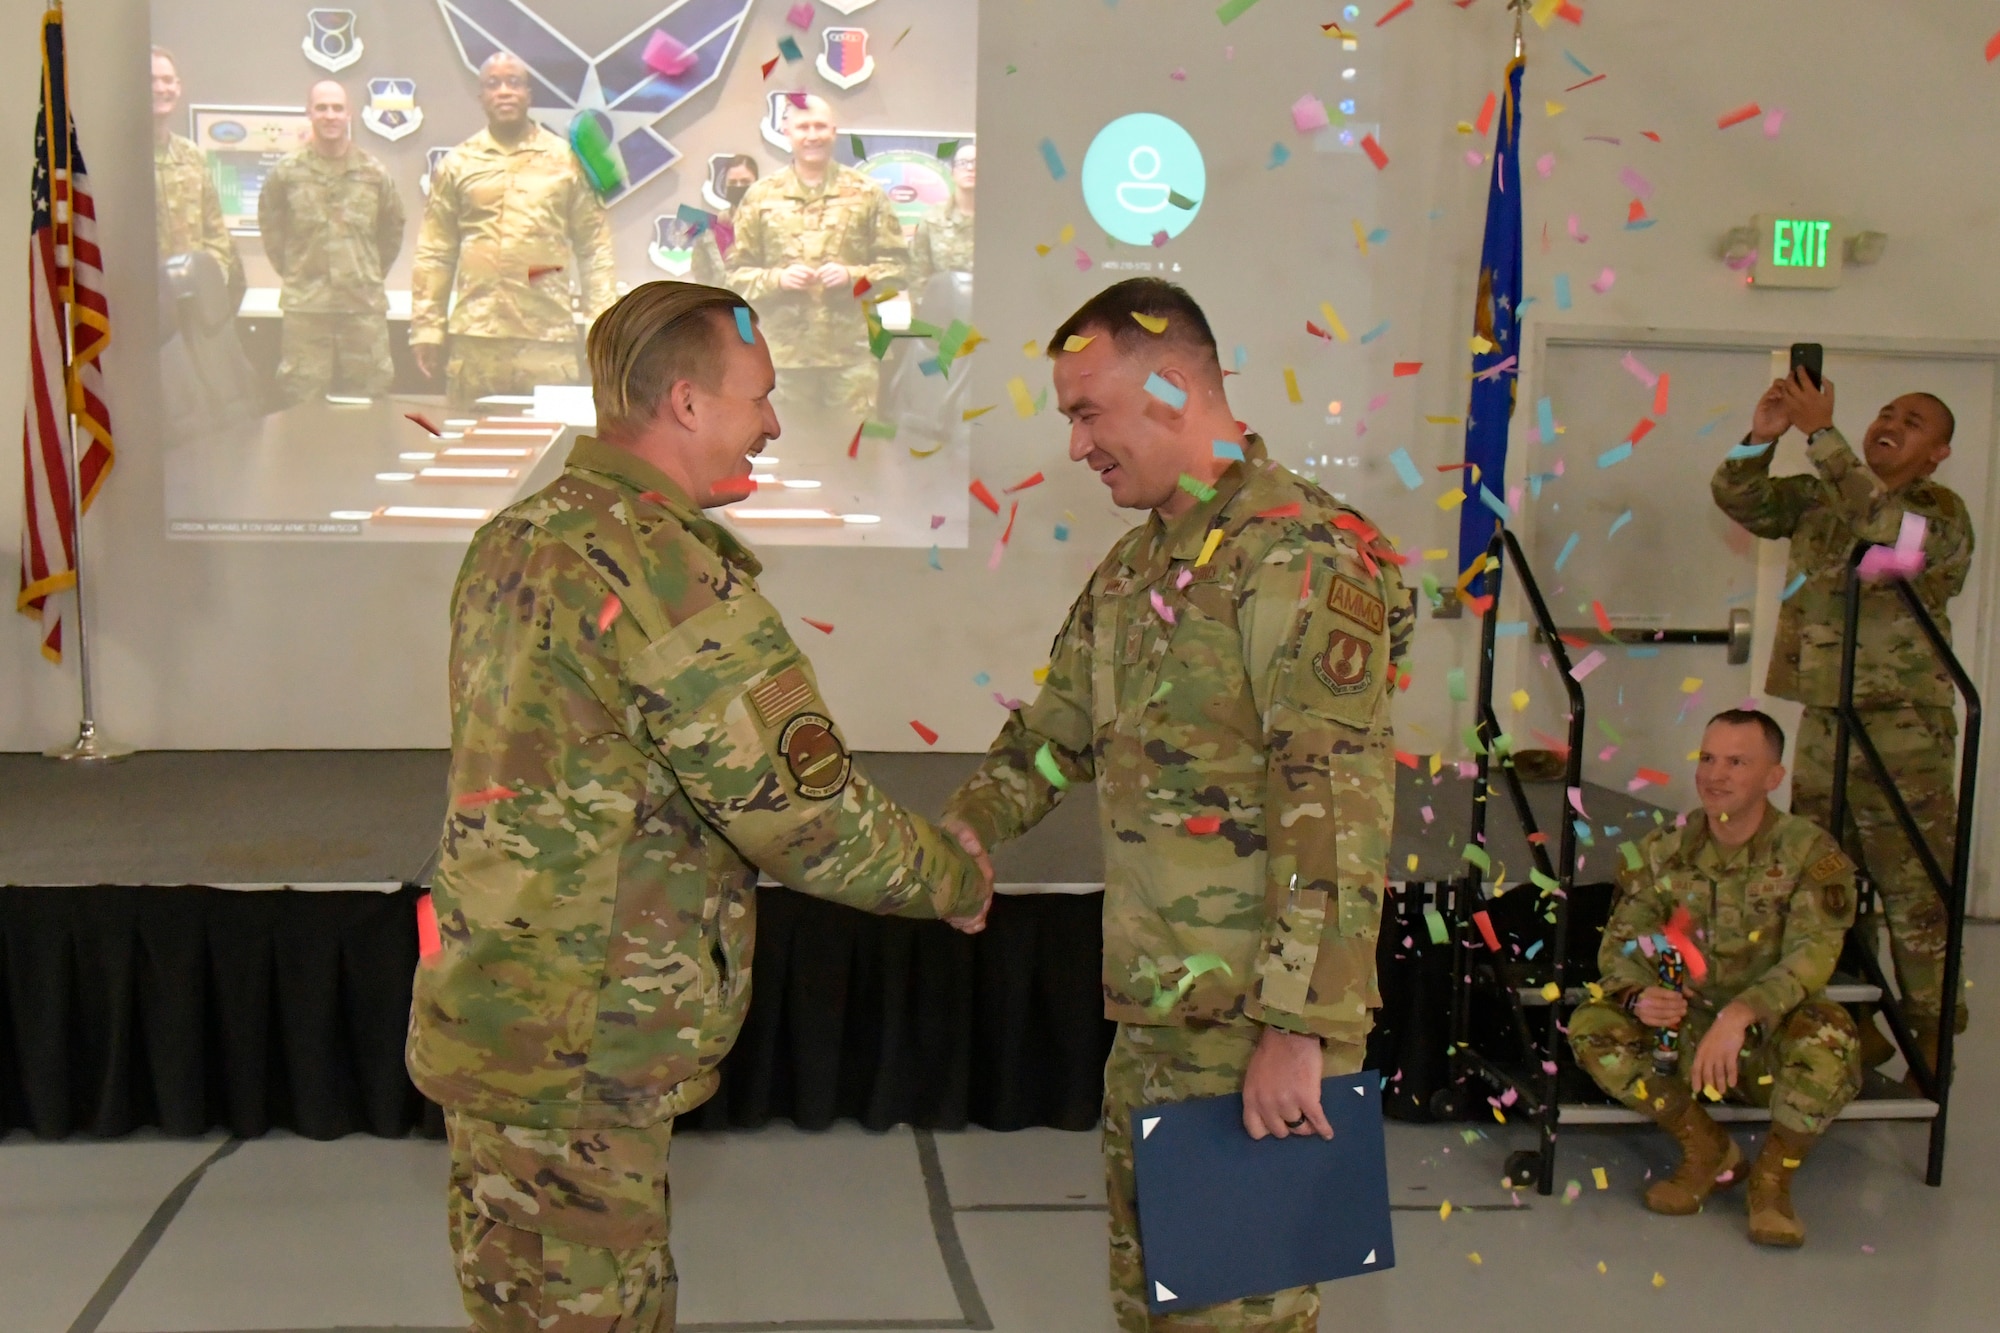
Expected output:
(1774, 735)
(742, 160)
(1110, 313)
(1950, 421)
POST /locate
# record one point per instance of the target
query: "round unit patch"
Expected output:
(818, 761)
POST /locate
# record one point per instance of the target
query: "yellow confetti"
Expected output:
(1754, 934)
(1333, 324)
(1031, 348)
(1640, 1088)
(1413, 863)
(1444, 1211)
(1024, 403)
(1292, 386)
(1150, 323)
(1442, 421)
(1451, 499)
(1437, 762)
(1519, 698)
(1041, 674)
(1690, 685)
(1076, 342)
(1498, 1116)
(1552, 992)
(1659, 1281)
(1476, 1260)
(1360, 236)
(1066, 235)
(1597, 1175)
(1764, 1081)
(1553, 108)
(1437, 553)
(1465, 127)
(1791, 1163)
(974, 413)
(973, 339)
(1544, 11)
(1601, 1268)
(1693, 755)
(1709, 1092)
(1480, 346)
(1042, 250)
(1208, 547)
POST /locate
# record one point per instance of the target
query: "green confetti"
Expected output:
(854, 142)
(1045, 764)
(1472, 741)
(1166, 688)
(1434, 922)
(1199, 489)
(1433, 590)
(1543, 882)
(946, 150)
(1454, 680)
(789, 49)
(1503, 743)
(1231, 10)
(1476, 854)
(1179, 200)
(879, 430)
(1631, 855)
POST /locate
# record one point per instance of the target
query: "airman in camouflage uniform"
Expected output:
(634, 736)
(1904, 696)
(943, 244)
(1225, 678)
(805, 237)
(1769, 917)
(332, 225)
(512, 234)
(188, 210)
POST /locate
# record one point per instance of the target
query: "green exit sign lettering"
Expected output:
(1797, 251)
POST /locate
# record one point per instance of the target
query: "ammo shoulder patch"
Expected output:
(1347, 598)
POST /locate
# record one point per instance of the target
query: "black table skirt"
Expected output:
(192, 1009)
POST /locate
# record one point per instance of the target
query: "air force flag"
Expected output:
(630, 98)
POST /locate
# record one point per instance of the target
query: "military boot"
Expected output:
(1925, 1030)
(1772, 1221)
(1710, 1159)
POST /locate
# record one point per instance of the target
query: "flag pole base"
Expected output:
(89, 748)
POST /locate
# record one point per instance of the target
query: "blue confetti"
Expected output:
(1619, 522)
(1562, 291)
(930, 366)
(1054, 159)
(1798, 581)
(1242, 356)
(1568, 548)
(1510, 629)
(697, 220)
(1545, 419)
(1062, 532)
(1579, 64)
(1748, 450)
(982, 680)
(934, 562)
(1495, 503)
(1171, 396)
(1406, 468)
(1279, 156)
(1379, 235)
(1712, 425)
(1532, 949)
(1615, 455)
(1642, 652)
(743, 324)
(1228, 449)
(1375, 332)
(1640, 224)
(1583, 833)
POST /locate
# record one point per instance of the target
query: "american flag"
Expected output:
(65, 377)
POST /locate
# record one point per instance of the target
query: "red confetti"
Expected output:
(1408, 368)
(1374, 151)
(1678, 935)
(1291, 510)
(1203, 825)
(429, 941)
(1406, 759)
(1569, 13)
(1993, 48)
(652, 497)
(423, 421)
(1012, 514)
(1538, 838)
(862, 287)
(770, 65)
(1485, 924)
(854, 445)
(1402, 7)
(474, 799)
(1574, 641)
(536, 272)
(1655, 776)
(1485, 121)
(1318, 332)
(1597, 613)
(1650, 135)
(819, 625)
(1635, 212)
(930, 737)
(1748, 111)
(1642, 430)
(1035, 480)
(1660, 392)
(984, 496)
(1595, 78)
(1479, 605)
(608, 613)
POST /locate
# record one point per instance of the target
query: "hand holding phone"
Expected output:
(1811, 358)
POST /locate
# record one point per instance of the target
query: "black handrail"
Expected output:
(1951, 888)
(1562, 869)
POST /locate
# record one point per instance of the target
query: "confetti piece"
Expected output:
(1333, 321)
(1454, 681)
(1519, 698)
(1374, 151)
(1402, 368)
(1202, 826)
(1198, 488)
(608, 613)
(770, 65)
(1308, 114)
(1746, 450)
(422, 421)
(1292, 510)
(474, 799)
(1476, 1260)
(1292, 386)
(1603, 282)
(1161, 608)
(1598, 1177)
(1406, 469)
(1401, 7)
(1150, 323)
(788, 47)
(1638, 370)
(1636, 183)
(1434, 923)
(1017, 389)
(1485, 121)
(1444, 1211)
(1019, 486)
(1485, 924)
(1166, 391)
(1748, 111)
(1076, 342)
(979, 492)
(1615, 455)
(1231, 10)
(1659, 1281)
(743, 324)
(1562, 291)
(930, 737)
(1591, 661)
(1451, 499)
(1279, 156)
(1375, 333)
(1053, 158)
(1045, 764)
(669, 59)
(429, 941)
(1552, 108)
(1798, 581)
(1208, 546)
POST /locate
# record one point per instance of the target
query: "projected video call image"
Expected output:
(384, 230)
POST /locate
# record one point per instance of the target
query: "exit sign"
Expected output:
(1797, 251)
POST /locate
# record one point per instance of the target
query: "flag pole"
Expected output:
(89, 747)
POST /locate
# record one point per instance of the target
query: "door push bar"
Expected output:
(1736, 637)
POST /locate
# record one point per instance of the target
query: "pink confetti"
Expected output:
(1082, 261)
(1185, 577)
(800, 16)
(1474, 158)
(1308, 114)
(1591, 661)
(1378, 402)
(1178, 76)
(937, 521)
(1166, 612)
(1636, 183)
(667, 57)
(1773, 123)
(1545, 164)
(1638, 370)
(1428, 814)
(1576, 231)
(1602, 283)
(1576, 801)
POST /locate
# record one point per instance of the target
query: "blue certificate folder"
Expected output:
(1223, 1216)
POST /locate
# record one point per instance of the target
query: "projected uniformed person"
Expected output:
(332, 225)
(804, 237)
(737, 178)
(511, 231)
(189, 209)
(943, 244)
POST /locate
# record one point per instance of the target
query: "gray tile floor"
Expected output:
(847, 1230)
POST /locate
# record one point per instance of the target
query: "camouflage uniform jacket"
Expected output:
(783, 221)
(1826, 516)
(504, 234)
(189, 211)
(332, 227)
(943, 244)
(1769, 917)
(1235, 716)
(621, 770)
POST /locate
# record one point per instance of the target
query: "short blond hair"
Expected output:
(652, 338)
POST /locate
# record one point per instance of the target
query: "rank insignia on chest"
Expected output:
(1347, 598)
(392, 109)
(817, 760)
(330, 41)
(1343, 667)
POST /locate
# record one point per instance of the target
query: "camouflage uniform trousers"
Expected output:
(478, 367)
(1919, 745)
(1171, 1064)
(329, 353)
(1805, 1072)
(561, 1230)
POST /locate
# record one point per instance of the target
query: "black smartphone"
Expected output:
(1810, 356)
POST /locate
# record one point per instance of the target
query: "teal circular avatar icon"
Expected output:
(1143, 175)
